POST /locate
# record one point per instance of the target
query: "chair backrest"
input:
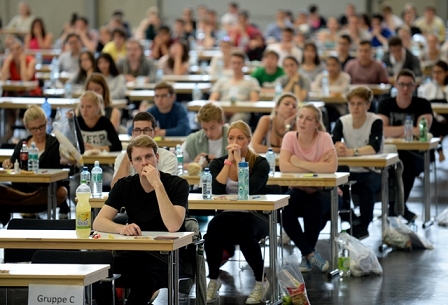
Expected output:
(74, 257)
(25, 255)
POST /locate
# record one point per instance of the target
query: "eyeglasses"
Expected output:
(404, 85)
(40, 128)
(162, 95)
(146, 130)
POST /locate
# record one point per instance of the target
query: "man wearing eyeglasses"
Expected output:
(393, 112)
(171, 116)
(143, 123)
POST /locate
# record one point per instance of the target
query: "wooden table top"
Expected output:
(179, 87)
(377, 89)
(67, 240)
(287, 179)
(379, 161)
(189, 78)
(103, 158)
(331, 99)
(43, 176)
(161, 142)
(63, 76)
(228, 202)
(22, 275)
(43, 68)
(18, 85)
(45, 52)
(25, 102)
(414, 145)
(243, 106)
(440, 108)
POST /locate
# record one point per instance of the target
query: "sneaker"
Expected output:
(409, 216)
(258, 292)
(212, 290)
(285, 239)
(154, 296)
(305, 265)
(317, 261)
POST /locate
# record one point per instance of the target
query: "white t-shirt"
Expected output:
(214, 148)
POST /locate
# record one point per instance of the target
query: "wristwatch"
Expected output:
(356, 152)
(288, 127)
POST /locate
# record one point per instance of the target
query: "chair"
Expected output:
(79, 257)
(25, 255)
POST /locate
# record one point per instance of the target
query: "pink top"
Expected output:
(34, 44)
(322, 144)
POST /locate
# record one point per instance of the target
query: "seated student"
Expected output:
(117, 47)
(398, 58)
(171, 117)
(271, 128)
(310, 149)
(432, 54)
(294, 81)
(210, 141)
(97, 83)
(115, 81)
(154, 201)
(68, 60)
(380, 34)
(144, 123)
(136, 64)
(176, 61)
(239, 87)
(393, 112)
(161, 43)
(286, 46)
(343, 49)
(32, 197)
(339, 83)
(246, 228)
(267, 74)
(436, 91)
(226, 47)
(38, 38)
(362, 132)
(311, 65)
(86, 68)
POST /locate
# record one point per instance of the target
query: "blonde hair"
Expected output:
(33, 113)
(94, 97)
(210, 112)
(317, 114)
(141, 141)
(362, 92)
(251, 156)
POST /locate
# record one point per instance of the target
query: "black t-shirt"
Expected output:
(142, 208)
(102, 134)
(397, 116)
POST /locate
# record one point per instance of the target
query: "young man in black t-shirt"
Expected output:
(393, 112)
(154, 201)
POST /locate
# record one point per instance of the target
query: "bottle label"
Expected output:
(83, 220)
(344, 263)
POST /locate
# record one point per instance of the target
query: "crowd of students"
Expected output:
(290, 50)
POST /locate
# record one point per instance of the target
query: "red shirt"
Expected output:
(14, 75)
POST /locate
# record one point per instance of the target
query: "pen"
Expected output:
(255, 197)
(310, 175)
(43, 172)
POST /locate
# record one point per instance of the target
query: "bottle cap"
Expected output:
(97, 163)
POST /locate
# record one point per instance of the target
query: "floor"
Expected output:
(417, 277)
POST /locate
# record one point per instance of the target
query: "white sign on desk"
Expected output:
(55, 294)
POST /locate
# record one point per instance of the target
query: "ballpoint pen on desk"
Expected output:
(255, 197)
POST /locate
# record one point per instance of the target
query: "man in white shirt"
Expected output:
(144, 122)
(286, 46)
(68, 60)
(230, 18)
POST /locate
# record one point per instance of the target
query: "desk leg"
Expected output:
(170, 277)
(89, 294)
(176, 277)
(3, 125)
(427, 191)
(334, 228)
(49, 200)
(384, 205)
(273, 248)
(55, 199)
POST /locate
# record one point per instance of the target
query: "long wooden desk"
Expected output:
(259, 107)
(161, 142)
(424, 147)
(148, 90)
(25, 102)
(62, 77)
(50, 176)
(440, 108)
(67, 240)
(22, 275)
(18, 85)
(270, 203)
(103, 158)
(382, 162)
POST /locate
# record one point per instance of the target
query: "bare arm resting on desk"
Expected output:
(290, 163)
(104, 222)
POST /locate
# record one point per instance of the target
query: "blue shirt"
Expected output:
(384, 32)
(175, 122)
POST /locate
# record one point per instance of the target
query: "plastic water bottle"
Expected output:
(243, 180)
(423, 130)
(203, 68)
(180, 160)
(197, 94)
(46, 107)
(206, 183)
(278, 90)
(97, 181)
(24, 156)
(270, 157)
(83, 211)
(159, 75)
(344, 257)
(68, 90)
(325, 84)
(38, 59)
(408, 129)
(379, 53)
(393, 92)
(85, 175)
(33, 158)
(54, 74)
